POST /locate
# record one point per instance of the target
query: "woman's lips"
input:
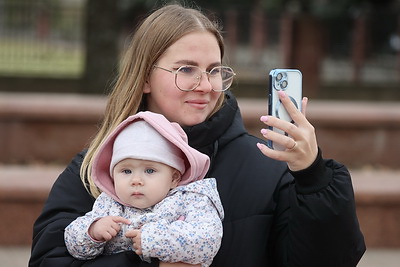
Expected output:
(199, 104)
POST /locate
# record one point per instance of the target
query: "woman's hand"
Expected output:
(301, 144)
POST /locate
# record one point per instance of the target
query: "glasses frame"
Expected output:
(175, 72)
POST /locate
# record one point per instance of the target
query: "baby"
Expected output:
(154, 201)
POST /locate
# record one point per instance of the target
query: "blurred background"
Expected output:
(58, 59)
(347, 49)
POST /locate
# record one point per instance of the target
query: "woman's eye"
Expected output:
(150, 171)
(186, 70)
(215, 71)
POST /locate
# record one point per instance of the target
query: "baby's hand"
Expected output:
(135, 235)
(106, 228)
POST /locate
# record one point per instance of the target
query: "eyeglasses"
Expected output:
(187, 78)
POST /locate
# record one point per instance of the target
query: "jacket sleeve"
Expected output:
(68, 199)
(77, 239)
(194, 240)
(316, 221)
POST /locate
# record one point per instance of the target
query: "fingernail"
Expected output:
(264, 118)
(263, 131)
(282, 94)
(259, 145)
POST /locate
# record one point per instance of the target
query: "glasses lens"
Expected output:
(188, 78)
(221, 78)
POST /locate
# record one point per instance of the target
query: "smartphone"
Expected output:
(290, 81)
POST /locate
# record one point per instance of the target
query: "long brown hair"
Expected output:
(157, 32)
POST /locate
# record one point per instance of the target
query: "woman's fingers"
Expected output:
(304, 103)
(286, 127)
(284, 140)
(297, 116)
(298, 138)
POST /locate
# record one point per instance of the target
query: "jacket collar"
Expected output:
(225, 125)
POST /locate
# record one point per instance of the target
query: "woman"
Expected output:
(282, 208)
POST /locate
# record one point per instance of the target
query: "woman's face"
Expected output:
(186, 108)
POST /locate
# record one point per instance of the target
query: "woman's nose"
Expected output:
(204, 85)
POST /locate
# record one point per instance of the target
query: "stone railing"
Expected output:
(39, 134)
(43, 128)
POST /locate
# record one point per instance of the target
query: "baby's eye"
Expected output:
(127, 171)
(150, 171)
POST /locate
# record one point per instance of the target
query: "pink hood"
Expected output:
(197, 163)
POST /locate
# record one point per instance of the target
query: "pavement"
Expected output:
(375, 257)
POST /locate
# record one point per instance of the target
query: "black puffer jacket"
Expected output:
(270, 220)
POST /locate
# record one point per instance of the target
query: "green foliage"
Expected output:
(319, 8)
(38, 59)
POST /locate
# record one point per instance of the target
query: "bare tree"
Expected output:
(102, 33)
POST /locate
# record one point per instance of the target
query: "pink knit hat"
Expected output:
(140, 140)
(148, 136)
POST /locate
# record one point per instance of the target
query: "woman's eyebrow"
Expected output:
(187, 62)
(194, 63)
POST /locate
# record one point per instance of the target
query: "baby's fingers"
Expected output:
(132, 233)
(119, 219)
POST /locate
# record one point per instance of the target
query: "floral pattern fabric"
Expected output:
(185, 226)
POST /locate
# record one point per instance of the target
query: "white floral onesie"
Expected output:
(165, 235)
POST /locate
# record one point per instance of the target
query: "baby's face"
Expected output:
(143, 183)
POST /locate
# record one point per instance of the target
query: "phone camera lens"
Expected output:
(279, 77)
(284, 84)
